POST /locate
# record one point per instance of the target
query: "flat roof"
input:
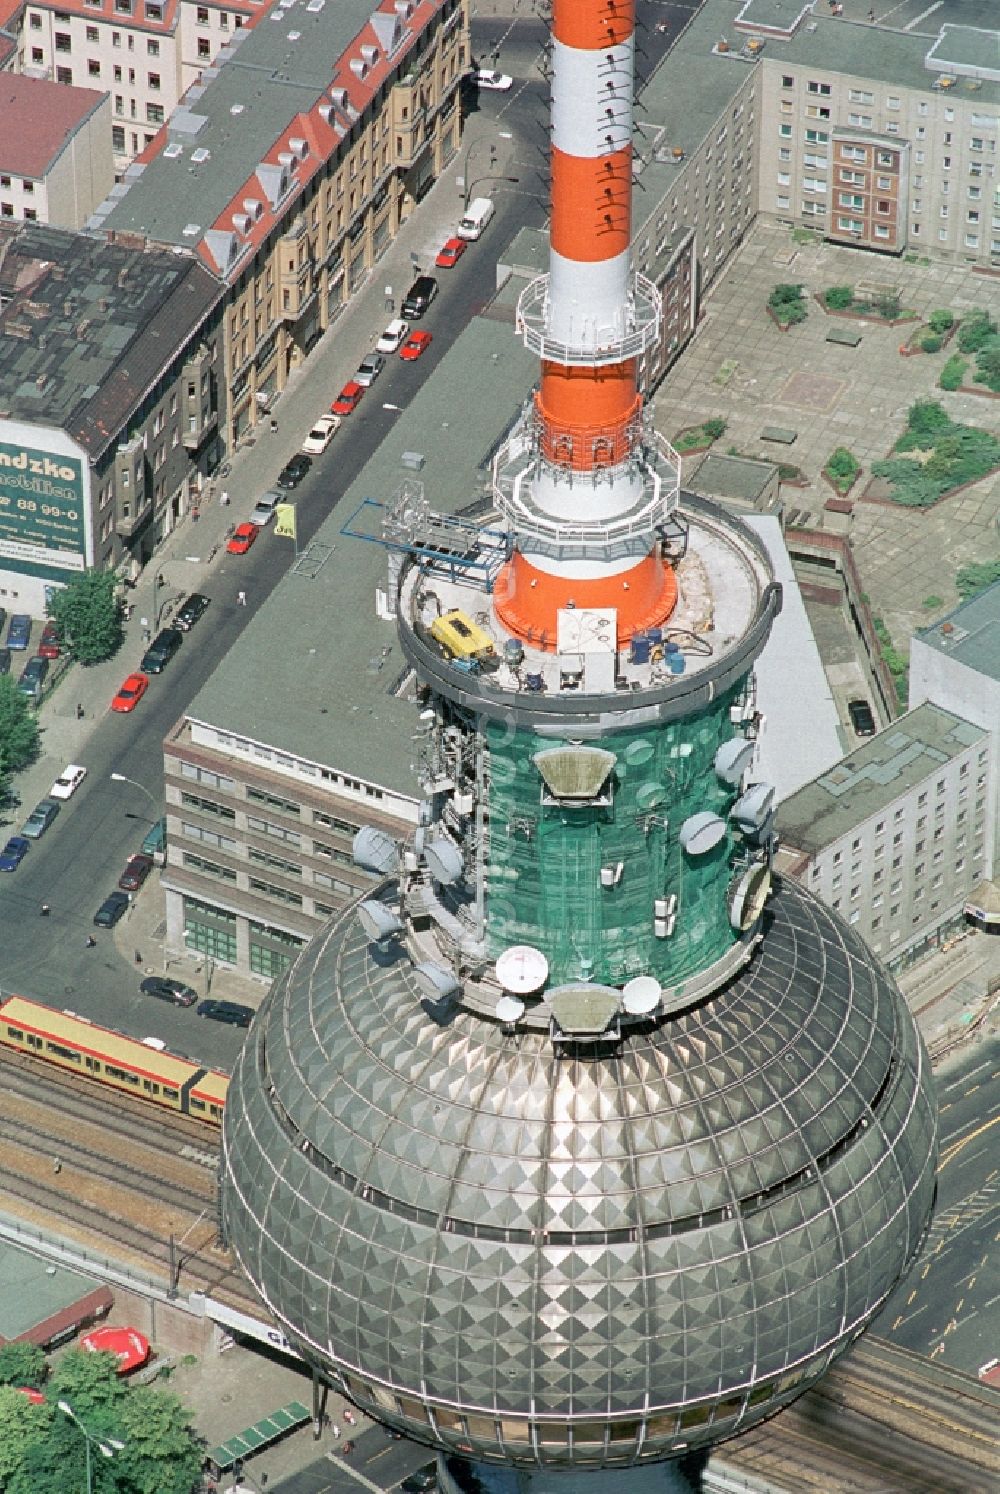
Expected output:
(33, 1290)
(326, 693)
(87, 327)
(37, 120)
(970, 634)
(873, 776)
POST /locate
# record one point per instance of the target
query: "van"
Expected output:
(476, 216)
(419, 296)
(155, 843)
(161, 650)
(33, 677)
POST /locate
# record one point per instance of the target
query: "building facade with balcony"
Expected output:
(111, 367)
(289, 169)
(55, 152)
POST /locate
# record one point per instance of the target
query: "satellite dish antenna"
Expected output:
(702, 832)
(436, 981)
(522, 969)
(733, 759)
(428, 714)
(641, 995)
(747, 895)
(377, 921)
(443, 860)
(510, 1008)
(376, 850)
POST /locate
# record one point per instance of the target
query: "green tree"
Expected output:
(931, 343)
(787, 304)
(22, 1364)
(888, 306)
(940, 321)
(88, 616)
(976, 577)
(838, 297)
(953, 372)
(714, 428)
(21, 1424)
(988, 364)
(974, 331)
(88, 1381)
(18, 729)
(161, 1454)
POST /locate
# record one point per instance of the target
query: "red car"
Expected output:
(130, 693)
(137, 869)
(450, 253)
(243, 537)
(415, 344)
(348, 399)
(48, 644)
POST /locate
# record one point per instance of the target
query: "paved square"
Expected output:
(810, 391)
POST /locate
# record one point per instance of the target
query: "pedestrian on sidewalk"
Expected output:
(349, 1417)
(79, 712)
(45, 910)
(274, 426)
(224, 498)
(138, 957)
(241, 599)
(91, 941)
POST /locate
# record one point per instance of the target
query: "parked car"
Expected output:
(421, 1480)
(137, 869)
(321, 435)
(419, 296)
(189, 611)
(348, 399)
(393, 336)
(68, 782)
(450, 253)
(369, 369)
(165, 988)
(111, 910)
(862, 718)
(14, 853)
(477, 215)
(294, 471)
(130, 692)
(4, 661)
(40, 818)
(19, 632)
(415, 344)
(242, 538)
(263, 510)
(227, 1011)
(33, 677)
(48, 645)
(162, 649)
(489, 78)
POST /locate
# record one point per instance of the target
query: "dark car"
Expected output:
(111, 910)
(41, 818)
(19, 631)
(14, 853)
(420, 1480)
(419, 296)
(226, 1011)
(189, 612)
(33, 677)
(4, 661)
(862, 718)
(137, 869)
(161, 650)
(294, 471)
(166, 989)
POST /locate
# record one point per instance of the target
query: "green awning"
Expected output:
(267, 1430)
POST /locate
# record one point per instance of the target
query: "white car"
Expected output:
(393, 337)
(68, 782)
(321, 434)
(487, 77)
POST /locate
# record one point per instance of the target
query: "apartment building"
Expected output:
(143, 54)
(290, 168)
(113, 402)
(896, 836)
(55, 151)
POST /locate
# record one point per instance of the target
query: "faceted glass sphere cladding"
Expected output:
(591, 1256)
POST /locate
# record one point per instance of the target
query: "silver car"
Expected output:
(369, 369)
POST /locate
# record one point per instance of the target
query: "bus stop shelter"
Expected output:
(261, 1434)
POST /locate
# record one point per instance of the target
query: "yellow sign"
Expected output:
(284, 526)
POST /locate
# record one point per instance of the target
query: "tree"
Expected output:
(161, 1454)
(21, 1424)
(88, 616)
(88, 1381)
(976, 577)
(838, 297)
(22, 1364)
(18, 729)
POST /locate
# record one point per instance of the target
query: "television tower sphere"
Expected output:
(595, 1142)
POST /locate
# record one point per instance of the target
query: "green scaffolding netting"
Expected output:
(580, 881)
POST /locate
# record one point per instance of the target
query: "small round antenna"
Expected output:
(510, 1009)
(522, 969)
(641, 995)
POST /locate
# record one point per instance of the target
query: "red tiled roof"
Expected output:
(36, 120)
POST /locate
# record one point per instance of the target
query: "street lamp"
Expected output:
(474, 145)
(121, 778)
(487, 177)
(106, 1446)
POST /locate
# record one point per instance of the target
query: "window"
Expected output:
(91, 33)
(787, 81)
(784, 154)
(782, 201)
(850, 200)
(972, 241)
(892, 102)
(850, 225)
(976, 143)
(783, 179)
(93, 68)
(821, 88)
(881, 231)
(204, 47)
(885, 158)
(784, 130)
(817, 111)
(864, 121)
(884, 183)
(817, 137)
(859, 96)
(154, 81)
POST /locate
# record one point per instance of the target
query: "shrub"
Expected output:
(838, 297)
(843, 467)
(888, 306)
(976, 577)
(988, 364)
(931, 344)
(786, 303)
(941, 321)
(932, 603)
(714, 428)
(953, 373)
(926, 417)
(976, 328)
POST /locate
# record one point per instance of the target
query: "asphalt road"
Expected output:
(78, 861)
(377, 1461)
(949, 1305)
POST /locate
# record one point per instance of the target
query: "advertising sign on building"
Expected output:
(43, 511)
